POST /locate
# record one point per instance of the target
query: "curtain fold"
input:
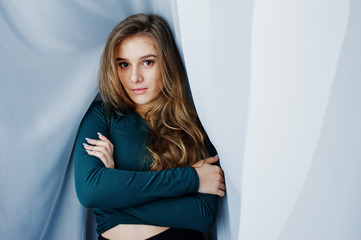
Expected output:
(276, 85)
(49, 61)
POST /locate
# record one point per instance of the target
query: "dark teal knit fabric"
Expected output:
(129, 194)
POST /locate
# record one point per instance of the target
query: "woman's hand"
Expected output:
(103, 149)
(211, 177)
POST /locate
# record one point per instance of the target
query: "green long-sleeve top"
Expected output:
(129, 194)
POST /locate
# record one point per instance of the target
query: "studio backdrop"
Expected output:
(277, 85)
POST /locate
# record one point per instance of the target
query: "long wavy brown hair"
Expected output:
(176, 135)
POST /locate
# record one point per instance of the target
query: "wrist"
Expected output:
(195, 186)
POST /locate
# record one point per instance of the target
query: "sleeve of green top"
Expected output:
(101, 187)
(197, 211)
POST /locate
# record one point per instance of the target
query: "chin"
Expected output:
(141, 102)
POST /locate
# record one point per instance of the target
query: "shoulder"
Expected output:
(98, 106)
(104, 109)
(101, 110)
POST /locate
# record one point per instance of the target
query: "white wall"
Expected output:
(278, 88)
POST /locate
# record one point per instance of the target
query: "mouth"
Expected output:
(138, 91)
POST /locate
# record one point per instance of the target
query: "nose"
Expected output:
(136, 75)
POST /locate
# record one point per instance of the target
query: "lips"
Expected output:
(138, 91)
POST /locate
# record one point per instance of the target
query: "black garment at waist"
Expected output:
(173, 234)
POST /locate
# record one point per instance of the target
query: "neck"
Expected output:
(142, 111)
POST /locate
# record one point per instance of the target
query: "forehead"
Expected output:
(135, 47)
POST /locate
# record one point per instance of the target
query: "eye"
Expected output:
(123, 65)
(148, 62)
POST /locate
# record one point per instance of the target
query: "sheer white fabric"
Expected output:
(276, 84)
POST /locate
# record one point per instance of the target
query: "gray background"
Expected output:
(276, 83)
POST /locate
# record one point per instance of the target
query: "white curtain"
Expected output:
(276, 84)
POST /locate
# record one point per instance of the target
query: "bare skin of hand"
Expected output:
(102, 148)
(211, 177)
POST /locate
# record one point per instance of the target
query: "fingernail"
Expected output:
(87, 139)
(85, 145)
(99, 134)
(87, 150)
(216, 155)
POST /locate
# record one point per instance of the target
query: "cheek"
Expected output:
(158, 81)
(122, 78)
(159, 84)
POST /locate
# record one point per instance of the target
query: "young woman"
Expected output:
(138, 153)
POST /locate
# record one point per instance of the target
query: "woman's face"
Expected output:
(138, 71)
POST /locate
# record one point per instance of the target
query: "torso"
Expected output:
(131, 162)
(133, 231)
(128, 132)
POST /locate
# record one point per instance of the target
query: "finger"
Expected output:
(108, 162)
(103, 157)
(108, 145)
(221, 193)
(92, 141)
(87, 146)
(100, 149)
(98, 155)
(212, 160)
(221, 172)
(198, 164)
(102, 137)
(223, 181)
(95, 142)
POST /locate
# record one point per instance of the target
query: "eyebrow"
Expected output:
(145, 56)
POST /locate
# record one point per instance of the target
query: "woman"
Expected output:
(140, 166)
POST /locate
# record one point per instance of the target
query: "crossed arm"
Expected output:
(140, 193)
